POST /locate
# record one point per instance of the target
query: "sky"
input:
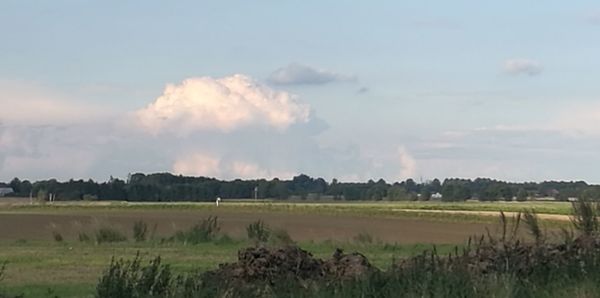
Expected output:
(260, 89)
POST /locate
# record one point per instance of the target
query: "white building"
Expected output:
(5, 190)
(436, 196)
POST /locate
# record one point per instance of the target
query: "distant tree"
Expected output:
(15, 184)
(522, 195)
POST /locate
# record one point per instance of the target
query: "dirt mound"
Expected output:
(291, 263)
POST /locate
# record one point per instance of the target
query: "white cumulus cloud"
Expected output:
(522, 67)
(298, 74)
(224, 104)
(408, 164)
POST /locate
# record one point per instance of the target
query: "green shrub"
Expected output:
(140, 230)
(258, 232)
(363, 238)
(281, 237)
(83, 237)
(205, 231)
(57, 236)
(130, 279)
(107, 234)
(585, 216)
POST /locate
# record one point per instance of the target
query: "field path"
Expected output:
(556, 217)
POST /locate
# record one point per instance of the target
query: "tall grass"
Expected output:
(258, 232)
(108, 235)
(140, 231)
(205, 231)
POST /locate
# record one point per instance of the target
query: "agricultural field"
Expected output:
(53, 249)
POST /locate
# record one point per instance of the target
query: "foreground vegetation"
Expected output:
(71, 267)
(489, 266)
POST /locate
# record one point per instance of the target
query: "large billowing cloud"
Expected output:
(522, 67)
(224, 104)
(298, 74)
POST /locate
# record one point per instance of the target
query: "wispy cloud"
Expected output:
(298, 74)
(520, 66)
(362, 90)
(594, 18)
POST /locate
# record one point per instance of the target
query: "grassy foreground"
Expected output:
(72, 269)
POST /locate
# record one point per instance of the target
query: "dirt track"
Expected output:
(40, 224)
(557, 217)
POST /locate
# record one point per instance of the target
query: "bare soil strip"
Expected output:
(301, 226)
(557, 217)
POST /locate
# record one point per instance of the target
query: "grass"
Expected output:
(33, 267)
(378, 209)
(503, 265)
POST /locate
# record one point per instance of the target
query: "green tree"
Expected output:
(522, 195)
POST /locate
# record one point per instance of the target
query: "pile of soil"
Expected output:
(291, 263)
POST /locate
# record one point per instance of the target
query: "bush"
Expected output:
(205, 231)
(83, 237)
(363, 238)
(281, 237)
(140, 229)
(258, 232)
(130, 279)
(109, 235)
(57, 236)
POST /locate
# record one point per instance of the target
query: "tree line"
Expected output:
(166, 187)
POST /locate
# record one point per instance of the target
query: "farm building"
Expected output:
(436, 196)
(5, 190)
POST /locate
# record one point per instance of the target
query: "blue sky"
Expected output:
(393, 89)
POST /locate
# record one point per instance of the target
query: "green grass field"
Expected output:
(363, 208)
(71, 269)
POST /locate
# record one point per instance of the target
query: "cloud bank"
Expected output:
(298, 74)
(522, 67)
(224, 104)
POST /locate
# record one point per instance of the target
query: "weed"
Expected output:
(281, 237)
(585, 216)
(140, 230)
(363, 238)
(57, 236)
(131, 279)
(205, 231)
(83, 237)
(258, 232)
(107, 234)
